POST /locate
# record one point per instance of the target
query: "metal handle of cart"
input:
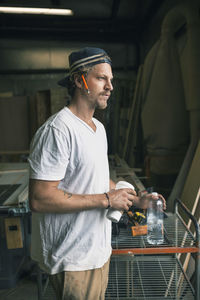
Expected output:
(177, 205)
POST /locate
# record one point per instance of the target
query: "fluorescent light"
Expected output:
(33, 10)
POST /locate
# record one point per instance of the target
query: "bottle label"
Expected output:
(155, 232)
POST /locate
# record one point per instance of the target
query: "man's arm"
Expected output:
(44, 196)
(112, 184)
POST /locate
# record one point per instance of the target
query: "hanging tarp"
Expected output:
(171, 90)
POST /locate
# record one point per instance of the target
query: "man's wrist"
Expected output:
(108, 199)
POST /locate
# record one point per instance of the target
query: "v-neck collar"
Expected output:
(83, 122)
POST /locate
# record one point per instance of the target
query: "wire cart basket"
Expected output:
(140, 271)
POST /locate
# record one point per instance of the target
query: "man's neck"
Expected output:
(83, 112)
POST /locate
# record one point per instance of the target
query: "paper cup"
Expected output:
(113, 214)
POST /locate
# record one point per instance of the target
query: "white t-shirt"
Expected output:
(65, 148)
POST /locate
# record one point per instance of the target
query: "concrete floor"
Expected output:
(25, 289)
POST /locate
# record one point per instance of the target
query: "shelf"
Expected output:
(157, 275)
(177, 240)
(147, 278)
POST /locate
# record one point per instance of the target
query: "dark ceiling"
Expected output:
(93, 20)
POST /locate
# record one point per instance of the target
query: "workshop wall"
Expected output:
(31, 71)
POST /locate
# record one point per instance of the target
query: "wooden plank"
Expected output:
(14, 124)
(115, 116)
(133, 111)
(186, 262)
(2, 172)
(192, 183)
(123, 170)
(191, 198)
(43, 106)
(13, 233)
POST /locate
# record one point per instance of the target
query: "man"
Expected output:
(70, 189)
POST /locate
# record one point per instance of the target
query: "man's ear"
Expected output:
(78, 80)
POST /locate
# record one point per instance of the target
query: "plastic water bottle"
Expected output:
(155, 221)
(113, 214)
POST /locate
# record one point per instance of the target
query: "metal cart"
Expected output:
(140, 271)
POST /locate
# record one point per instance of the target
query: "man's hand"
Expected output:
(122, 199)
(143, 200)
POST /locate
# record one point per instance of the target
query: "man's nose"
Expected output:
(109, 85)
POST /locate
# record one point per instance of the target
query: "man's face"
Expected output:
(99, 81)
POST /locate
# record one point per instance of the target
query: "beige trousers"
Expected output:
(81, 285)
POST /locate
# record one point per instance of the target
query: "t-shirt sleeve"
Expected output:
(49, 154)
